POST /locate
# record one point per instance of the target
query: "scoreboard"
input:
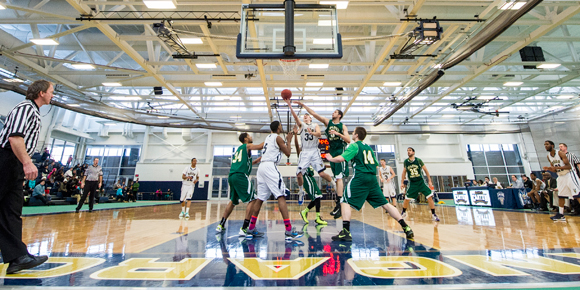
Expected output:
(323, 146)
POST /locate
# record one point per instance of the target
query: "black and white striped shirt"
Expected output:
(23, 121)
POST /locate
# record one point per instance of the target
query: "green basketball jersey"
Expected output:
(362, 157)
(336, 144)
(414, 169)
(241, 162)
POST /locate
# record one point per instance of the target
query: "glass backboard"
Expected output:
(262, 32)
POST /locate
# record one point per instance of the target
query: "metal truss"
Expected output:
(163, 15)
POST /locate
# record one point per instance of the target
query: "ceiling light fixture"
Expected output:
(318, 65)
(314, 84)
(44, 41)
(213, 84)
(112, 84)
(162, 117)
(564, 97)
(74, 105)
(15, 80)
(125, 98)
(512, 84)
(2, 7)
(206, 65)
(549, 65)
(511, 5)
(110, 124)
(160, 4)
(339, 4)
(82, 66)
(326, 22)
(193, 40)
(392, 84)
(240, 124)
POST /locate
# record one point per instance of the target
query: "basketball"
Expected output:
(286, 94)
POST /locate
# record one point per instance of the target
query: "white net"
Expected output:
(290, 67)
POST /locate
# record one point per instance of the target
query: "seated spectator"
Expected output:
(551, 189)
(534, 194)
(486, 181)
(39, 193)
(68, 174)
(62, 188)
(527, 182)
(119, 194)
(480, 183)
(169, 194)
(497, 183)
(158, 194)
(516, 183)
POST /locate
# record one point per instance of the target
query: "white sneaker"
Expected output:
(435, 218)
(404, 215)
(300, 197)
(186, 215)
(181, 214)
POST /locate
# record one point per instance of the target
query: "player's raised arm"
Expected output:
(312, 113)
(296, 118)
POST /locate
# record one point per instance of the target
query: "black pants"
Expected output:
(11, 200)
(90, 190)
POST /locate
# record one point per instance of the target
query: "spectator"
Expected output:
(68, 174)
(69, 161)
(51, 166)
(45, 155)
(39, 193)
(486, 181)
(119, 194)
(549, 192)
(62, 188)
(158, 194)
(534, 194)
(497, 183)
(135, 189)
(169, 194)
(527, 182)
(516, 183)
(480, 183)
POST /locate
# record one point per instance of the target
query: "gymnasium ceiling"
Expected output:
(129, 52)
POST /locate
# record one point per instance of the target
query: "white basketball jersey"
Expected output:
(309, 141)
(556, 161)
(190, 172)
(385, 172)
(271, 151)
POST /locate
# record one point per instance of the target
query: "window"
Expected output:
(118, 161)
(60, 150)
(495, 160)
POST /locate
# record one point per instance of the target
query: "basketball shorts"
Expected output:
(339, 170)
(270, 182)
(568, 186)
(186, 191)
(389, 189)
(241, 188)
(312, 188)
(416, 187)
(361, 188)
(310, 158)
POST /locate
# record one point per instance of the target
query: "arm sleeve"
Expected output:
(18, 121)
(350, 152)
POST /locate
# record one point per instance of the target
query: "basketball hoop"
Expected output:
(290, 66)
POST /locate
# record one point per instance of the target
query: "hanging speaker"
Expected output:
(158, 91)
(531, 53)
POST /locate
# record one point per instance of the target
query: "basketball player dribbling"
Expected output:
(270, 180)
(189, 176)
(338, 139)
(568, 182)
(241, 188)
(387, 175)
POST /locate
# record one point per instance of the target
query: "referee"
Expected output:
(92, 180)
(18, 140)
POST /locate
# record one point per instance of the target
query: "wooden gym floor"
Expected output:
(471, 247)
